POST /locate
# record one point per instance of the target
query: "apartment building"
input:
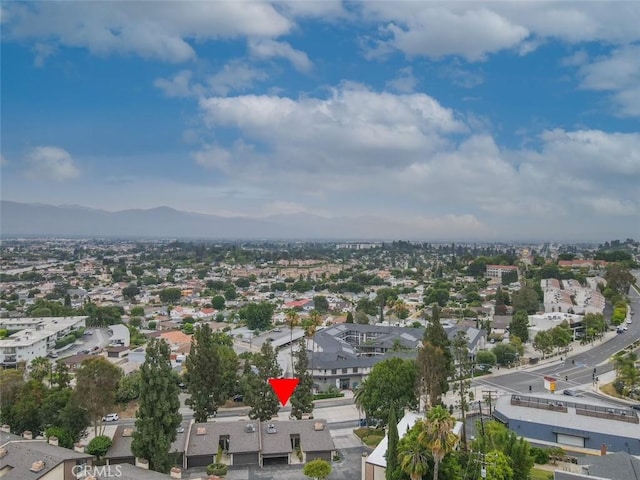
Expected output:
(496, 271)
(35, 337)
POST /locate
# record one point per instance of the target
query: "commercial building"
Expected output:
(581, 423)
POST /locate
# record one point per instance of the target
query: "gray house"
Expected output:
(120, 450)
(616, 466)
(258, 443)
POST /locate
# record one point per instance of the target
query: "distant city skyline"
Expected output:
(515, 120)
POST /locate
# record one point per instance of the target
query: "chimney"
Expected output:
(603, 449)
(53, 441)
(79, 447)
(176, 472)
(37, 466)
(27, 435)
(5, 429)
(142, 463)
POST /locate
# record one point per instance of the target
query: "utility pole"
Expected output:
(489, 395)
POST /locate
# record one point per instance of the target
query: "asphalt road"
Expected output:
(574, 372)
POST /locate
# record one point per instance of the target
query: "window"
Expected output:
(334, 371)
(355, 369)
(345, 370)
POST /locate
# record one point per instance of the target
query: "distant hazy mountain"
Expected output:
(21, 219)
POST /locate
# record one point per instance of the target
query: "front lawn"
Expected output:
(370, 436)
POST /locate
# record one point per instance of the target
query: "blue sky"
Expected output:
(496, 120)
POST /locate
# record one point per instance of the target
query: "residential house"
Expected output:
(23, 458)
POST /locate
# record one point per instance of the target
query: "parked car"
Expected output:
(636, 406)
(88, 332)
(238, 398)
(570, 393)
(84, 352)
(111, 417)
(180, 429)
(52, 355)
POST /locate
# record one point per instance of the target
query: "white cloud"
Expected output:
(235, 76)
(433, 29)
(354, 128)
(179, 85)
(51, 163)
(618, 73)
(158, 30)
(405, 82)
(267, 49)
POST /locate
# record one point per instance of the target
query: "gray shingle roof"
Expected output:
(615, 466)
(240, 440)
(311, 440)
(121, 445)
(21, 454)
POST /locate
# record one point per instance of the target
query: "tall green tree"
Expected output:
(391, 382)
(203, 375)
(302, 398)
(435, 361)
(462, 377)
(543, 342)
(619, 278)
(96, 385)
(525, 299)
(257, 315)
(519, 325)
(259, 394)
(321, 304)
(392, 445)
(158, 414)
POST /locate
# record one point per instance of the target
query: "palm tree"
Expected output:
(360, 397)
(292, 321)
(412, 457)
(40, 368)
(437, 435)
(315, 318)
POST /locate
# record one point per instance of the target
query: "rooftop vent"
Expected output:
(37, 466)
(127, 432)
(250, 428)
(318, 426)
(271, 428)
(201, 431)
(3, 452)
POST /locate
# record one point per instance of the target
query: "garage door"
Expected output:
(570, 440)
(269, 461)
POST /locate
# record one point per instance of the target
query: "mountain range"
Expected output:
(22, 219)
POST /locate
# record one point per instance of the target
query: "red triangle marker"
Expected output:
(283, 388)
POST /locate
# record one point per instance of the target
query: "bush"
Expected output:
(540, 455)
(219, 469)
